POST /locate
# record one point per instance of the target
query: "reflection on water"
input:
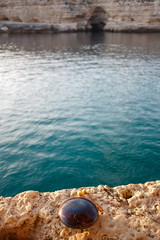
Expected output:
(76, 41)
(78, 109)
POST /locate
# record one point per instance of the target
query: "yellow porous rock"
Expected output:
(130, 212)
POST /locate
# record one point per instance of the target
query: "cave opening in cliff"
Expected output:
(97, 21)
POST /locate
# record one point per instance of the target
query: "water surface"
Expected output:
(78, 110)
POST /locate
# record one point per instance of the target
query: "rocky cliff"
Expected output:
(80, 15)
(130, 212)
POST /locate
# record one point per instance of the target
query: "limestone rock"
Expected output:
(83, 15)
(130, 212)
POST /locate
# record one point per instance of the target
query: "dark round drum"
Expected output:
(78, 212)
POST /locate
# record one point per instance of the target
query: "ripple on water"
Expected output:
(78, 110)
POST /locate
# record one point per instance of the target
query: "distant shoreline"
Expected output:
(49, 16)
(44, 28)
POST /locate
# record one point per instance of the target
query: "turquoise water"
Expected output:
(78, 110)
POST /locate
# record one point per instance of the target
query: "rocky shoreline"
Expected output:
(130, 212)
(27, 28)
(52, 16)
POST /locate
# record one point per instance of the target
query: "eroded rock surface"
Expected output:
(81, 15)
(130, 212)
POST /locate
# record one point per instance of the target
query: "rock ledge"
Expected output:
(130, 212)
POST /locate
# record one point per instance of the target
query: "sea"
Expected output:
(78, 110)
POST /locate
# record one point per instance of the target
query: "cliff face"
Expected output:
(79, 15)
(130, 212)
